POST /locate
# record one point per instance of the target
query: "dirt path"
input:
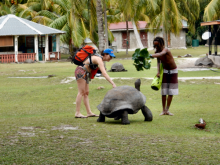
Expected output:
(183, 64)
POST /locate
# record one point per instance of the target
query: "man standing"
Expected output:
(170, 74)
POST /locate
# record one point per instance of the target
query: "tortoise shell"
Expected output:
(120, 98)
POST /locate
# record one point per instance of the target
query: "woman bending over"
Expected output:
(83, 75)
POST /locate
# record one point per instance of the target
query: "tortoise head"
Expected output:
(137, 84)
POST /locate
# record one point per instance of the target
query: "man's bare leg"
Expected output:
(169, 100)
(164, 98)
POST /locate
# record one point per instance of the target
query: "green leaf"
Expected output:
(144, 53)
(141, 59)
(136, 61)
(136, 54)
(147, 66)
(138, 68)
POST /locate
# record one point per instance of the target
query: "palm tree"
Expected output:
(113, 15)
(171, 13)
(7, 8)
(141, 13)
(106, 24)
(134, 11)
(99, 10)
(126, 9)
(69, 16)
(212, 11)
(33, 10)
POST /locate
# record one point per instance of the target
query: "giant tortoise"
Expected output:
(117, 67)
(123, 100)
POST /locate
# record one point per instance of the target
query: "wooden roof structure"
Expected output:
(214, 39)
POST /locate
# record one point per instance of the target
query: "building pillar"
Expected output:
(210, 43)
(58, 46)
(16, 48)
(46, 48)
(36, 47)
(215, 39)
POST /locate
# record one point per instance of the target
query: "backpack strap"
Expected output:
(92, 66)
(90, 60)
(98, 55)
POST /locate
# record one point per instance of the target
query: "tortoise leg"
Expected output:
(124, 117)
(147, 113)
(101, 118)
(117, 117)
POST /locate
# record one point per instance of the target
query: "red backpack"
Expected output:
(82, 54)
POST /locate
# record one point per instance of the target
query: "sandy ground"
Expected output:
(183, 63)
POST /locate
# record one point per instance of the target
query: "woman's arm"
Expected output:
(104, 73)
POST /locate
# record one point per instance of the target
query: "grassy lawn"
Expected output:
(194, 51)
(38, 125)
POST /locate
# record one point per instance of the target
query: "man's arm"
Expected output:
(158, 67)
(160, 54)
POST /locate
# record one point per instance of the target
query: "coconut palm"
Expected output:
(99, 12)
(135, 10)
(33, 9)
(212, 11)
(127, 13)
(72, 18)
(7, 8)
(171, 13)
(67, 15)
(107, 9)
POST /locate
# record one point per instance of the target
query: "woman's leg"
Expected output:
(86, 102)
(81, 84)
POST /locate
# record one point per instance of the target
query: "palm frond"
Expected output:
(211, 11)
(85, 33)
(59, 23)
(76, 34)
(48, 14)
(110, 36)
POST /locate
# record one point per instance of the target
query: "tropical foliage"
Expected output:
(7, 8)
(212, 11)
(170, 14)
(80, 18)
(141, 59)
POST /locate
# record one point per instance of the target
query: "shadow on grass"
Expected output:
(116, 122)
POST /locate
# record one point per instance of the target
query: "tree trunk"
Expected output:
(165, 37)
(71, 47)
(106, 25)
(101, 44)
(137, 35)
(127, 42)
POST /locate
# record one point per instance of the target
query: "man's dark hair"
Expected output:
(160, 40)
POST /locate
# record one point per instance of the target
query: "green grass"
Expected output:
(65, 56)
(38, 125)
(194, 51)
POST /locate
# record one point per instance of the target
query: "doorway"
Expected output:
(124, 40)
(143, 36)
(41, 47)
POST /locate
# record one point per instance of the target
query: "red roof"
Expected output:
(122, 25)
(141, 25)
